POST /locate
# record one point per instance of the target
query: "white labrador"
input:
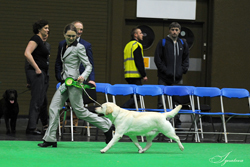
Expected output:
(134, 124)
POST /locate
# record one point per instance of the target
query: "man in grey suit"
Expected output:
(73, 54)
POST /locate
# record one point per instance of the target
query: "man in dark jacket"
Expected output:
(171, 58)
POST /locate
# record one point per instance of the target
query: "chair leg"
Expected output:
(202, 135)
(224, 127)
(142, 139)
(71, 124)
(197, 138)
(88, 129)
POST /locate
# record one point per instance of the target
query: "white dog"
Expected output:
(134, 124)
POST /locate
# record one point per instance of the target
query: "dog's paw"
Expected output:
(141, 151)
(102, 151)
(181, 148)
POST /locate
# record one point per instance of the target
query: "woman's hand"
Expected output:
(38, 71)
(80, 79)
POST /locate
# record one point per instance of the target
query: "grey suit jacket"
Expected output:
(72, 58)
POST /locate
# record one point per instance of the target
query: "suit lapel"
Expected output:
(67, 52)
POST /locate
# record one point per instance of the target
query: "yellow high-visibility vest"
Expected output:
(129, 64)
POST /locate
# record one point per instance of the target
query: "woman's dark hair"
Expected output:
(38, 25)
(69, 27)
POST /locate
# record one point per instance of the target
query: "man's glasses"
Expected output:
(73, 36)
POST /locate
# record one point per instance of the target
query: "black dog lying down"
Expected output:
(10, 109)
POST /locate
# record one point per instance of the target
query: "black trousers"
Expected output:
(130, 103)
(38, 102)
(44, 108)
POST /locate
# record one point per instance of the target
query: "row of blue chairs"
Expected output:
(194, 94)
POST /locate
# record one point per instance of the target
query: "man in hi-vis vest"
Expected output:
(133, 63)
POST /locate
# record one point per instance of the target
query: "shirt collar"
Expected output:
(72, 44)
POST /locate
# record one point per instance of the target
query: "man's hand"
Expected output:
(145, 78)
(92, 82)
(28, 86)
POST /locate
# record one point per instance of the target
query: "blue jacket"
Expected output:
(58, 64)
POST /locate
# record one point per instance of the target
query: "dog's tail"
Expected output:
(172, 113)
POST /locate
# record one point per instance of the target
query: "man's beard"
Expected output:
(174, 37)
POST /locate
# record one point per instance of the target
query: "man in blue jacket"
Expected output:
(58, 64)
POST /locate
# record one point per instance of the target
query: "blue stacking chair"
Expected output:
(171, 91)
(235, 93)
(125, 85)
(150, 90)
(120, 90)
(132, 95)
(209, 92)
(101, 87)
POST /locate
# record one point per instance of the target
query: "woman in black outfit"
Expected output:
(37, 55)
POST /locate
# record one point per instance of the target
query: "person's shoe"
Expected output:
(109, 134)
(33, 132)
(47, 144)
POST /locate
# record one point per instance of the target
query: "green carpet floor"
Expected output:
(123, 154)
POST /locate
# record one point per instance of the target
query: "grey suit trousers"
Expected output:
(75, 96)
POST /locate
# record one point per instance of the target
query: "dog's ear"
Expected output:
(109, 110)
